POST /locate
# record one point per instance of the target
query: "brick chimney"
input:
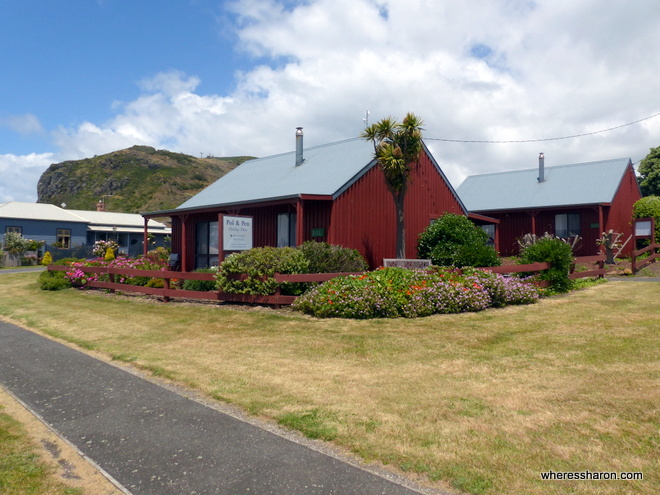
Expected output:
(100, 206)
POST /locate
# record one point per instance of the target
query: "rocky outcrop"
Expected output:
(133, 180)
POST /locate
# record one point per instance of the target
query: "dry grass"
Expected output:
(483, 402)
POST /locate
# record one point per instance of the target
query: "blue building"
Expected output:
(69, 229)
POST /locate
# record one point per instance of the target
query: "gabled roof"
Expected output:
(38, 211)
(327, 170)
(565, 185)
(95, 220)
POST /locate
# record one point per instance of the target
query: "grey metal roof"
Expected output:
(575, 184)
(124, 222)
(327, 170)
(38, 211)
(111, 218)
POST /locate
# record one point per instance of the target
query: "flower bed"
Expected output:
(78, 277)
(397, 292)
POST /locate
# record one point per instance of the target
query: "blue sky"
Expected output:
(86, 77)
(71, 61)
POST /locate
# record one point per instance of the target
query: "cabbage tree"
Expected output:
(397, 147)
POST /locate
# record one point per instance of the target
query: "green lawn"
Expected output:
(22, 472)
(480, 403)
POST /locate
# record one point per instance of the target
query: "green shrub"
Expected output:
(453, 240)
(251, 272)
(53, 281)
(159, 254)
(67, 261)
(201, 285)
(649, 207)
(556, 252)
(15, 243)
(157, 283)
(328, 258)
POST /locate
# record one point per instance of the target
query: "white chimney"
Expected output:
(541, 167)
(299, 146)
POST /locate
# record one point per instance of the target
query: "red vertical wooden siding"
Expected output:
(513, 225)
(364, 216)
(617, 216)
(317, 216)
(620, 214)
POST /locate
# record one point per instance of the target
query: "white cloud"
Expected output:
(20, 175)
(22, 124)
(505, 70)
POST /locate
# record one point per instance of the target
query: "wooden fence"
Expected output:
(278, 299)
(653, 249)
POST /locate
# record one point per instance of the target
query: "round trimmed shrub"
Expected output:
(53, 280)
(453, 240)
(251, 272)
(647, 207)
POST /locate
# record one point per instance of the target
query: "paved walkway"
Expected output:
(152, 440)
(21, 269)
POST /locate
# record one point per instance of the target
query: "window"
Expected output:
(286, 230)
(206, 245)
(64, 238)
(489, 228)
(567, 225)
(18, 230)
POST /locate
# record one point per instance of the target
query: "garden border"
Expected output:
(278, 299)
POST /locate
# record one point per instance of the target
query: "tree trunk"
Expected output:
(400, 225)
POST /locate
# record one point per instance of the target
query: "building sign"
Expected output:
(643, 228)
(409, 264)
(318, 232)
(236, 233)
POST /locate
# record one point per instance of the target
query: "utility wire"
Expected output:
(543, 139)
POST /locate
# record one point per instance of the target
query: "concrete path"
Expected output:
(22, 269)
(152, 440)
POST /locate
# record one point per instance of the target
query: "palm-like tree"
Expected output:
(397, 146)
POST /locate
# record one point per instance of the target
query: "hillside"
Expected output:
(134, 180)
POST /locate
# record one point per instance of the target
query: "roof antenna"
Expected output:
(366, 118)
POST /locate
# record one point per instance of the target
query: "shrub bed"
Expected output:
(398, 292)
(251, 272)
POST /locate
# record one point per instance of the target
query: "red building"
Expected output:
(583, 199)
(333, 193)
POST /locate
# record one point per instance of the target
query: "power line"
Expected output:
(484, 141)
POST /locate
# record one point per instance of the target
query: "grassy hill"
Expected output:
(134, 180)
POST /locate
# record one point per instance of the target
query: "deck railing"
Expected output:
(168, 291)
